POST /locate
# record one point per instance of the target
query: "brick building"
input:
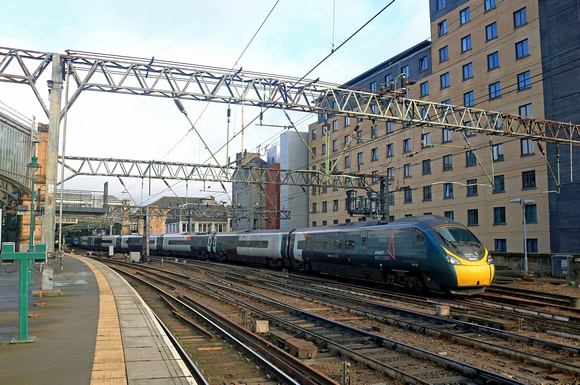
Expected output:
(506, 56)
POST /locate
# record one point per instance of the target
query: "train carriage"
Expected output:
(189, 245)
(266, 247)
(428, 252)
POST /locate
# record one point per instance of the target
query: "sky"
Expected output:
(296, 36)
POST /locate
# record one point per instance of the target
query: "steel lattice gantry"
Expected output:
(210, 173)
(147, 77)
(137, 76)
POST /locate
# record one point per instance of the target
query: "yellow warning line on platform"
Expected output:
(109, 363)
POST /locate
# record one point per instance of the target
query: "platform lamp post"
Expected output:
(524, 203)
(33, 168)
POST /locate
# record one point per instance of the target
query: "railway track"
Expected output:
(221, 352)
(442, 338)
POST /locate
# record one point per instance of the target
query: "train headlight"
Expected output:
(451, 259)
(489, 259)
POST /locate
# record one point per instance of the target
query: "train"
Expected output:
(427, 252)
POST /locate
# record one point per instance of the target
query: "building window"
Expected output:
(408, 195)
(500, 245)
(471, 187)
(492, 61)
(531, 214)
(445, 80)
(391, 173)
(360, 158)
(520, 18)
(497, 151)
(448, 162)
(374, 108)
(499, 215)
(442, 28)
(314, 134)
(323, 148)
(335, 125)
(391, 198)
(498, 184)
(472, 217)
(527, 146)
(359, 136)
(390, 127)
(423, 63)
(314, 208)
(347, 121)
(389, 150)
(406, 145)
(335, 145)
(447, 135)
(425, 140)
(524, 81)
(528, 180)
(427, 166)
(464, 16)
(522, 49)
(466, 43)
(468, 71)
(494, 90)
(405, 70)
(314, 151)
(324, 130)
(347, 161)
(346, 140)
(374, 155)
(375, 176)
(335, 205)
(443, 54)
(324, 223)
(388, 79)
(373, 86)
(449, 214)
(489, 4)
(448, 191)
(324, 207)
(532, 245)
(470, 158)
(374, 132)
(491, 31)
(407, 170)
(526, 110)
(427, 193)
(424, 88)
(468, 99)
(440, 4)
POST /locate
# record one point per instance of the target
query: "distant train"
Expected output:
(423, 252)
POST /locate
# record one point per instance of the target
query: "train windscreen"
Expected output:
(454, 234)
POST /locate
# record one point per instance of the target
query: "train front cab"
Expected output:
(470, 267)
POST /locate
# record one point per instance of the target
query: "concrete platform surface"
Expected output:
(99, 331)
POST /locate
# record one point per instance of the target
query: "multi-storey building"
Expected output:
(485, 54)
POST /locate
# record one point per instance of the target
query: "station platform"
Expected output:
(98, 331)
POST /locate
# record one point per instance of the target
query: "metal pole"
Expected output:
(32, 219)
(62, 167)
(525, 238)
(55, 85)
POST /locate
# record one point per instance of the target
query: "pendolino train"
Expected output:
(423, 252)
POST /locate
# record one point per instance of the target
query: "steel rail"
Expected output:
(247, 349)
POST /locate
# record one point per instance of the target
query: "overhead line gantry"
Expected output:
(182, 81)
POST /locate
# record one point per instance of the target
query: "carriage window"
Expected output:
(349, 245)
(301, 244)
(364, 240)
(336, 245)
(419, 237)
